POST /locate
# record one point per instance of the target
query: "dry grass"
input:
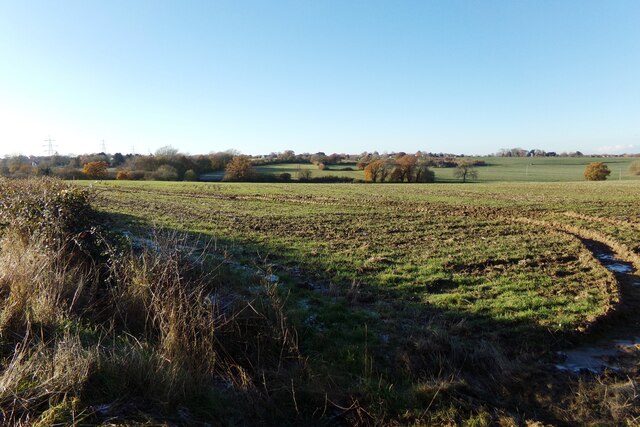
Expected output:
(88, 324)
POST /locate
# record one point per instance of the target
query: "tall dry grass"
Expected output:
(92, 329)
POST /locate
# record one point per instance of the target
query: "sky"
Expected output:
(348, 76)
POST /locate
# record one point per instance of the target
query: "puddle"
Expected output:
(614, 354)
(597, 359)
(613, 264)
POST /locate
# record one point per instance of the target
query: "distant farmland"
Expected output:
(498, 169)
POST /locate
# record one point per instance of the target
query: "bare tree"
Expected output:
(465, 170)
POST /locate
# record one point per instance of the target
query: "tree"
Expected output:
(96, 169)
(373, 171)
(220, 160)
(318, 158)
(304, 175)
(596, 171)
(117, 160)
(465, 170)
(286, 156)
(238, 169)
(167, 151)
(406, 167)
(166, 173)
(190, 175)
(423, 173)
(634, 168)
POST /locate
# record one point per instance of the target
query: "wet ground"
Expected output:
(615, 354)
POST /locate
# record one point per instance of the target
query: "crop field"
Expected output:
(427, 303)
(498, 169)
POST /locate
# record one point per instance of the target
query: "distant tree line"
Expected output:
(169, 164)
(521, 152)
(166, 164)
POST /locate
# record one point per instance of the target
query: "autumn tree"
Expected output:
(220, 160)
(238, 169)
(465, 170)
(385, 170)
(596, 171)
(372, 172)
(96, 169)
(405, 166)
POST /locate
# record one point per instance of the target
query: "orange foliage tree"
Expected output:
(96, 169)
(597, 171)
(239, 169)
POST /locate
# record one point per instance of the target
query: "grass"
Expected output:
(96, 330)
(498, 169)
(390, 304)
(466, 281)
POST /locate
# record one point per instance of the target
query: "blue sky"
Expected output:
(333, 76)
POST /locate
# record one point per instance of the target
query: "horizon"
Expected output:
(452, 77)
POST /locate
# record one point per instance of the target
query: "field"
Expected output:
(498, 169)
(428, 303)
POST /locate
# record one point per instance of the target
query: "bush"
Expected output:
(69, 172)
(634, 168)
(122, 175)
(43, 205)
(330, 179)
(304, 175)
(166, 173)
(190, 175)
(596, 171)
(137, 175)
(285, 177)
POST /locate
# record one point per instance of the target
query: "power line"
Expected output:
(49, 146)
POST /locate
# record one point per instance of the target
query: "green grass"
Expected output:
(498, 169)
(401, 239)
(393, 285)
(331, 170)
(542, 169)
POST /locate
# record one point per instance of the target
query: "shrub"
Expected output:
(42, 205)
(69, 172)
(166, 173)
(304, 175)
(137, 175)
(596, 171)
(330, 179)
(190, 175)
(634, 168)
(285, 177)
(122, 175)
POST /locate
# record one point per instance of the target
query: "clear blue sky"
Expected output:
(333, 76)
